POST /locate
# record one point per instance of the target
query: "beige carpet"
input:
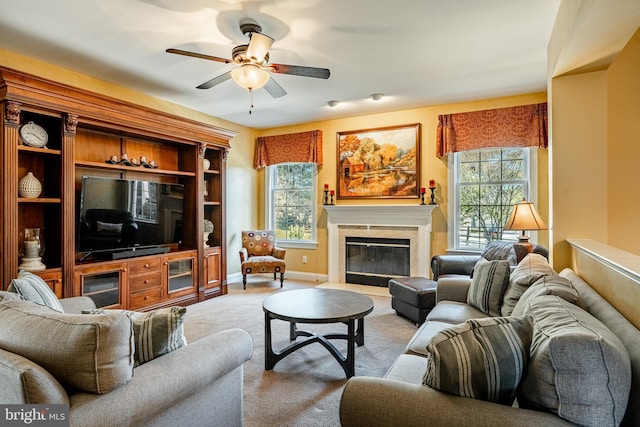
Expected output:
(304, 388)
(361, 289)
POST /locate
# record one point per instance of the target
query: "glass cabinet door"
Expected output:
(102, 287)
(181, 274)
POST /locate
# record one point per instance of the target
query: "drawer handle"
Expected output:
(146, 281)
(146, 265)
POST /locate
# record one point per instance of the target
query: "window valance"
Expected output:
(292, 147)
(522, 126)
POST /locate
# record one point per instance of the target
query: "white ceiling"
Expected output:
(416, 52)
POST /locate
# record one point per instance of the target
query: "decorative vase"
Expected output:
(29, 186)
(206, 164)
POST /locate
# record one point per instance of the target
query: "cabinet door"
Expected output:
(180, 273)
(212, 271)
(103, 284)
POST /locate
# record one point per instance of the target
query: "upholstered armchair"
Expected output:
(259, 254)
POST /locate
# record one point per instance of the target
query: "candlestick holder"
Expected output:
(326, 197)
(31, 250)
(331, 202)
(433, 197)
(422, 199)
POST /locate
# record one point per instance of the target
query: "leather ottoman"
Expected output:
(413, 297)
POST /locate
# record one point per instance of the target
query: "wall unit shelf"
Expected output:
(84, 131)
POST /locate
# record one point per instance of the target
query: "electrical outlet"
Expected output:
(304, 259)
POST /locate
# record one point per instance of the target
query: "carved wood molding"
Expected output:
(70, 123)
(103, 111)
(12, 112)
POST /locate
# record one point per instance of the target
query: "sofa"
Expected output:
(582, 366)
(87, 362)
(456, 265)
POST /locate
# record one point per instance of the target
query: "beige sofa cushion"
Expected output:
(91, 353)
(529, 270)
(480, 358)
(549, 285)
(24, 382)
(578, 369)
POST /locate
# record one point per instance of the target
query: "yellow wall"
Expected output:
(594, 151)
(623, 201)
(431, 167)
(579, 166)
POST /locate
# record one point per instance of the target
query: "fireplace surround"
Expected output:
(411, 222)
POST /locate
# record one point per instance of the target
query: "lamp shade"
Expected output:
(525, 217)
(250, 76)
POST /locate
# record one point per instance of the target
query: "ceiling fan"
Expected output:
(253, 71)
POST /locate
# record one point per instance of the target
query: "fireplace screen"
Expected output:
(373, 261)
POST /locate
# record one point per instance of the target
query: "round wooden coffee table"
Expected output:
(316, 306)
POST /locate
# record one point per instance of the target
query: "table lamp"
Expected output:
(524, 217)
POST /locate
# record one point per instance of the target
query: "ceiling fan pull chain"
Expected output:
(250, 100)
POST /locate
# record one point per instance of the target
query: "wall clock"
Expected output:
(33, 135)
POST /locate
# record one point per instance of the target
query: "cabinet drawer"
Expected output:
(143, 282)
(145, 266)
(143, 299)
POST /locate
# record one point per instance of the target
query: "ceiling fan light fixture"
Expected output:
(250, 76)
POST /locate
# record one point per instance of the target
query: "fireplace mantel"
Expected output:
(379, 218)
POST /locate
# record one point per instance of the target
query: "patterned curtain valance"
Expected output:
(522, 126)
(292, 147)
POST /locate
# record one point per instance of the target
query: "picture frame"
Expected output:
(379, 163)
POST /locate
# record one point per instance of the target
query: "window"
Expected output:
(486, 185)
(291, 203)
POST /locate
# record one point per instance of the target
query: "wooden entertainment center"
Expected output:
(85, 130)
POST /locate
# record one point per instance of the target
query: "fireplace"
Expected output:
(406, 222)
(373, 261)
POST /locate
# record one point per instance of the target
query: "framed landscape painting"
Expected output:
(383, 162)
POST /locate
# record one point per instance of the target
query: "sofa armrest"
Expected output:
(164, 382)
(453, 264)
(75, 305)
(244, 255)
(452, 289)
(378, 402)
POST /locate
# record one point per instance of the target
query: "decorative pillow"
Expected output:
(530, 269)
(549, 285)
(93, 354)
(108, 226)
(490, 279)
(33, 288)
(578, 369)
(480, 358)
(156, 332)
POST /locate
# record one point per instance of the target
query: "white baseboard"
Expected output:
(298, 275)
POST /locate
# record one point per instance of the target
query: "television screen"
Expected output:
(121, 214)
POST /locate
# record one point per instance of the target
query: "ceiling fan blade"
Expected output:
(198, 55)
(259, 46)
(274, 89)
(298, 70)
(215, 81)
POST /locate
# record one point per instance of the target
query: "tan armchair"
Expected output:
(260, 255)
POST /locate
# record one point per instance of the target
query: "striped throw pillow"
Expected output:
(489, 282)
(155, 332)
(480, 358)
(33, 288)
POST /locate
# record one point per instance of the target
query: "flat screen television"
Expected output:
(126, 216)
